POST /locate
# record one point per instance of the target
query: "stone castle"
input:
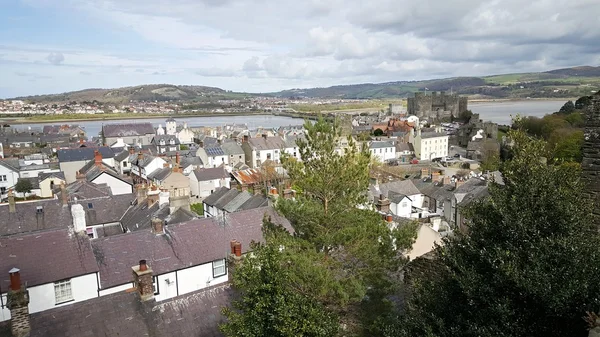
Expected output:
(436, 106)
(590, 165)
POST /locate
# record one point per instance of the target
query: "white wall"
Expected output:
(206, 188)
(117, 186)
(45, 190)
(11, 177)
(429, 148)
(403, 208)
(195, 278)
(42, 297)
(383, 154)
(116, 289)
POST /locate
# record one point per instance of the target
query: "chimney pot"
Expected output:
(237, 249)
(143, 265)
(15, 279)
(389, 218)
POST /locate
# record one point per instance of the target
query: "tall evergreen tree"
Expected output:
(528, 266)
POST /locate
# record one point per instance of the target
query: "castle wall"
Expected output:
(436, 105)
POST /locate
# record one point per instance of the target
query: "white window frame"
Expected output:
(63, 292)
(216, 267)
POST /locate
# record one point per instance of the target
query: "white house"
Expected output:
(203, 182)
(186, 135)
(430, 145)
(383, 150)
(197, 261)
(259, 150)
(9, 174)
(171, 126)
(144, 164)
(403, 195)
(213, 155)
(51, 281)
(48, 181)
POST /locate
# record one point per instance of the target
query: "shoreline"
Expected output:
(26, 120)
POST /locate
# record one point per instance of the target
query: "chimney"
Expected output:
(141, 192)
(18, 304)
(389, 218)
(78, 214)
(237, 249)
(383, 204)
(143, 280)
(264, 135)
(11, 201)
(81, 141)
(140, 156)
(447, 180)
(245, 139)
(177, 159)
(163, 198)
(131, 150)
(97, 158)
(152, 196)
(458, 183)
(64, 195)
(158, 226)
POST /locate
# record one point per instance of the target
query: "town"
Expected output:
(86, 198)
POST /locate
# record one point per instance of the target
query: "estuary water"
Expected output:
(498, 112)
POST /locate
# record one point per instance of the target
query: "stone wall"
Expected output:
(436, 105)
(590, 165)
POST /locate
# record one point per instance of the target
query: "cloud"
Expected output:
(268, 45)
(55, 58)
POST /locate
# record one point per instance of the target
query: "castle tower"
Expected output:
(171, 126)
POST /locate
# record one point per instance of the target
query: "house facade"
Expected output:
(383, 150)
(203, 182)
(430, 145)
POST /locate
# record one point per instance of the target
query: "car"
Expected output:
(414, 161)
(457, 155)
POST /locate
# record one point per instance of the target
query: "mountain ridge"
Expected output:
(557, 83)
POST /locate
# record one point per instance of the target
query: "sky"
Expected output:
(53, 46)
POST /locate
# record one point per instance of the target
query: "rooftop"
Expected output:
(127, 130)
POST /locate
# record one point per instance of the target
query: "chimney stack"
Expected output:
(81, 141)
(12, 208)
(141, 192)
(264, 135)
(383, 204)
(97, 158)
(142, 277)
(177, 158)
(18, 304)
(245, 139)
(158, 226)
(131, 150)
(140, 156)
(64, 195)
(237, 249)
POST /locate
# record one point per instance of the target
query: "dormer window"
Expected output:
(162, 142)
(39, 209)
(172, 141)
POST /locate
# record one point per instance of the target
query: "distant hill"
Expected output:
(153, 92)
(568, 82)
(559, 83)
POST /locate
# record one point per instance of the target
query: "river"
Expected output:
(92, 128)
(501, 112)
(498, 112)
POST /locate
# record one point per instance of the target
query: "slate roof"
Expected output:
(210, 174)
(58, 175)
(256, 201)
(406, 187)
(167, 138)
(236, 202)
(226, 198)
(425, 135)
(122, 155)
(184, 245)
(160, 174)
(270, 143)
(46, 256)
(91, 170)
(216, 195)
(189, 161)
(83, 153)
(144, 161)
(380, 144)
(126, 130)
(26, 218)
(83, 189)
(401, 147)
(232, 148)
(396, 197)
(106, 209)
(139, 216)
(123, 314)
(11, 164)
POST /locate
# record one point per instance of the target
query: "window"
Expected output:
(219, 268)
(404, 204)
(62, 291)
(90, 206)
(124, 164)
(3, 178)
